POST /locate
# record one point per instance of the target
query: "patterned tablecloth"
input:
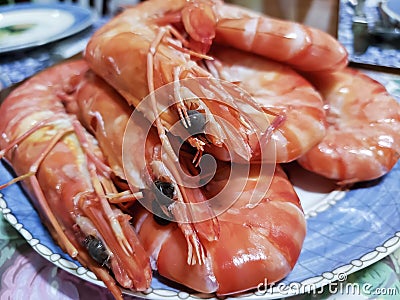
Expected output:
(24, 274)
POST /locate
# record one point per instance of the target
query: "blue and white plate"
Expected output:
(347, 230)
(24, 26)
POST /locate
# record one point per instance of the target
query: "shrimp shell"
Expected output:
(300, 46)
(363, 128)
(282, 92)
(256, 243)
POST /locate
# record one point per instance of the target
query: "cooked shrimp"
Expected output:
(282, 93)
(66, 175)
(256, 243)
(302, 47)
(363, 130)
(105, 114)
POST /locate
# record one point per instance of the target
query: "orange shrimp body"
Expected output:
(302, 47)
(108, 134)
(119, 51)
(282, 93)
(363, 130)
(255, 244)
(65, 173)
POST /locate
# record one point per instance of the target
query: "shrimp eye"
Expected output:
(166, 189)
(164, 193)
(96, 249)
(197, 122)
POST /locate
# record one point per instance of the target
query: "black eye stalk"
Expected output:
(164, 194)
(197, 122)
(96, 249)
(166, 189)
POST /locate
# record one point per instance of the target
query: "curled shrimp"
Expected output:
(303, 48)
(66, 175)
(256, 243)
(158, 42)
(106, 114)
(289, 101)
(363, 125)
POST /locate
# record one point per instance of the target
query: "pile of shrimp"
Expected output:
(161, 149)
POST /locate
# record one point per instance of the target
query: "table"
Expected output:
(23, 272)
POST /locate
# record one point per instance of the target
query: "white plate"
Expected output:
(24, 26)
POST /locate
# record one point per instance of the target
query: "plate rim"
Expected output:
(295, 288)
(83, 18)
